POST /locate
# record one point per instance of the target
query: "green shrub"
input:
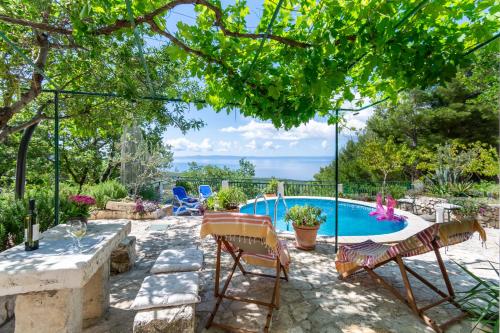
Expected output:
(396, 191)
(305, 216)
(149, 193)
(12, 214)
(103, 192)
(272, 186)
(228, 198)
(188, 186)
(481, 301)
(468, 206)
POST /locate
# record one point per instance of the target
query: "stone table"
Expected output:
(59, 291)
(445, 207)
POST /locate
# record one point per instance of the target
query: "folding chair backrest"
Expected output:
(251, 233)
(249, 244)
(451, 233)
(419, 243)
(180, 192)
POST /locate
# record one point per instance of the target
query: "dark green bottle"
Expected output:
(31, 228)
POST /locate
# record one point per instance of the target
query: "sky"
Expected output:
(237, 135)
(234, 134)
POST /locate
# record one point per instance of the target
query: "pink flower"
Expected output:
(83, 200)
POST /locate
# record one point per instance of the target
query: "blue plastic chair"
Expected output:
(181, 196)
(180, 210)
(205, 192)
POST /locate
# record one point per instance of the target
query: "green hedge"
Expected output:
(13, 212)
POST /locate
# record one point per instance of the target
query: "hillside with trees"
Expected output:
(449, 128)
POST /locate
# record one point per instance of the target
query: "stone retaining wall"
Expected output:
(488, 216)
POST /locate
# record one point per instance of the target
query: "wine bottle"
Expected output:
(31, 228)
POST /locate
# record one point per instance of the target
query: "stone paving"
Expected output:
(314, 300)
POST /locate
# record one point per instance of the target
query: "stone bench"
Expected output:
(166, 303)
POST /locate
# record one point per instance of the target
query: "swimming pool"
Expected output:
(353, 217)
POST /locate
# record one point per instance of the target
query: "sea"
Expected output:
(284, 167)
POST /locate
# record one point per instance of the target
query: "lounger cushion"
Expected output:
(163, 290)
(178, 260)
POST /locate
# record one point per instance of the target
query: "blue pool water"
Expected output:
(353, 219)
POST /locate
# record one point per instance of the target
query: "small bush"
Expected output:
(12, 214)
(149, 193)
(305, 216)
(188, 186)
(481, 301)
(103, 192)
(396, 191)
(272, 186)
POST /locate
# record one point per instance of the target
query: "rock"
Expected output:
(121, 206)
(175, 319)
(7, 304)
(123, 256)
(107, 214)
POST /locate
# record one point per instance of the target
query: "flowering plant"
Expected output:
(144, 207)
(80, 205)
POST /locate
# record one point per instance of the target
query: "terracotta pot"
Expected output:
(305, 236)
(269, 195)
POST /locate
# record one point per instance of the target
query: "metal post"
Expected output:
(336, 180)
(56, 157)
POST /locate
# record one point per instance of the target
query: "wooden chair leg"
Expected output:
(275, 298)
(217, 267)
(285, 273)
(442, 267)
(228, 246)
(278, 273)
(406, 281)
(224, 289)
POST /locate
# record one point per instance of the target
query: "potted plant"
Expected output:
(306, 221)
(227, 199)
(79, 207)
(271, 188)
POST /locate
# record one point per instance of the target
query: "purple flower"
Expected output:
(83, 200)
(143, 207)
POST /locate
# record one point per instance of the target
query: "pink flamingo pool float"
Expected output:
(386, 213)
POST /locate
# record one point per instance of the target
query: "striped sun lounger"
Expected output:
(369, 255)
(253, 240)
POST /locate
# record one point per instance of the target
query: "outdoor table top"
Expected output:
(448, 206)
(406, 200)
(55, 265)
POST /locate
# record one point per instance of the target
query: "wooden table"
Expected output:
(59, 291)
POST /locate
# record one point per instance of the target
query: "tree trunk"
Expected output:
(22, 154)
(383, 184)
(7, 112)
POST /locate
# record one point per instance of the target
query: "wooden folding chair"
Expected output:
(253, 250)
(368, 256)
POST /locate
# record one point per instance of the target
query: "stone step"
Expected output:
(176, 319)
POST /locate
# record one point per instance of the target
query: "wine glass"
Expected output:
(77, 229)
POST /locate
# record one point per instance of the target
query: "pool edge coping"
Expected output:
(414, 224)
